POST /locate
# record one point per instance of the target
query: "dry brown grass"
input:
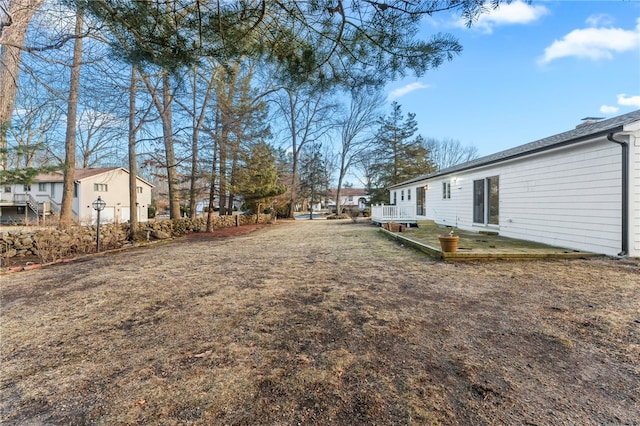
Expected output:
(321, 322)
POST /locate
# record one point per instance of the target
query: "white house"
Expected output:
(350, 199)
(42, 199)
(579, 189)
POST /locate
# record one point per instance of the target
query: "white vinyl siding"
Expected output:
(634, 196)
(571, 200)
(568, 197)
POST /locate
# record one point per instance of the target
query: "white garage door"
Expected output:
(106, 216)
(125, 214)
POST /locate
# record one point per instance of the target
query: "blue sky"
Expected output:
(528, 71)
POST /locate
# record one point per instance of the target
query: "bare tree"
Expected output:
(356, 133)
(133, 130)
(448, 152)
(163, 101)
(14, 21)
(34, 126)
(98, 135)
(307, 116)
(198, 111)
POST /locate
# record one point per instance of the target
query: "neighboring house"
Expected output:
(43, 198)
(350, 199)
(579, 189)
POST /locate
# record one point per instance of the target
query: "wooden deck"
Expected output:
(476, 246)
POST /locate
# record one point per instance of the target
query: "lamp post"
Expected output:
(98, 206)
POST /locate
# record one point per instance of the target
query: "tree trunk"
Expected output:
(222, 186)
(12, 38)
(167, 129)
(212, 191)
(339, 195)
(193, 180)
(295, 152)
(66, 209)
(133, 169)
(197, 122)
(232, 179)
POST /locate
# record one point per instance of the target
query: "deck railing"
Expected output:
(385, 214)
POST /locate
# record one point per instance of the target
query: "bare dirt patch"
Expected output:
(318, 323)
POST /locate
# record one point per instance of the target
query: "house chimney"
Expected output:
(589, 120)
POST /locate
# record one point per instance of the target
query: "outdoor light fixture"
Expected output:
(98, 206)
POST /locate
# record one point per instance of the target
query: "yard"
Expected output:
(318, 322)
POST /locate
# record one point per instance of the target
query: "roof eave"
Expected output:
(471, 165)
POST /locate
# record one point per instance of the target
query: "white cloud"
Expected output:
(625, 100)
(599, 20)
(593, 43)
(401, 91)
(608, 109)
(515, 13)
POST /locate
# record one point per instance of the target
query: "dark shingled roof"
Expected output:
(582, 132)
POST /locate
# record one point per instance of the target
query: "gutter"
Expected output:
(625, 193)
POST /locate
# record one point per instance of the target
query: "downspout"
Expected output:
(625, 193)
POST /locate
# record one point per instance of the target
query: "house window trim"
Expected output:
(100, 187)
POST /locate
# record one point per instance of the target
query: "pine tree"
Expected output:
(398, 155)
(257, 179)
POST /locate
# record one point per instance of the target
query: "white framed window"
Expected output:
(26, 188)
(409, 194)
(100, 187)
(42, 187)
(402, 195)
(395, 197)
(446, 190)
(139, 189)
